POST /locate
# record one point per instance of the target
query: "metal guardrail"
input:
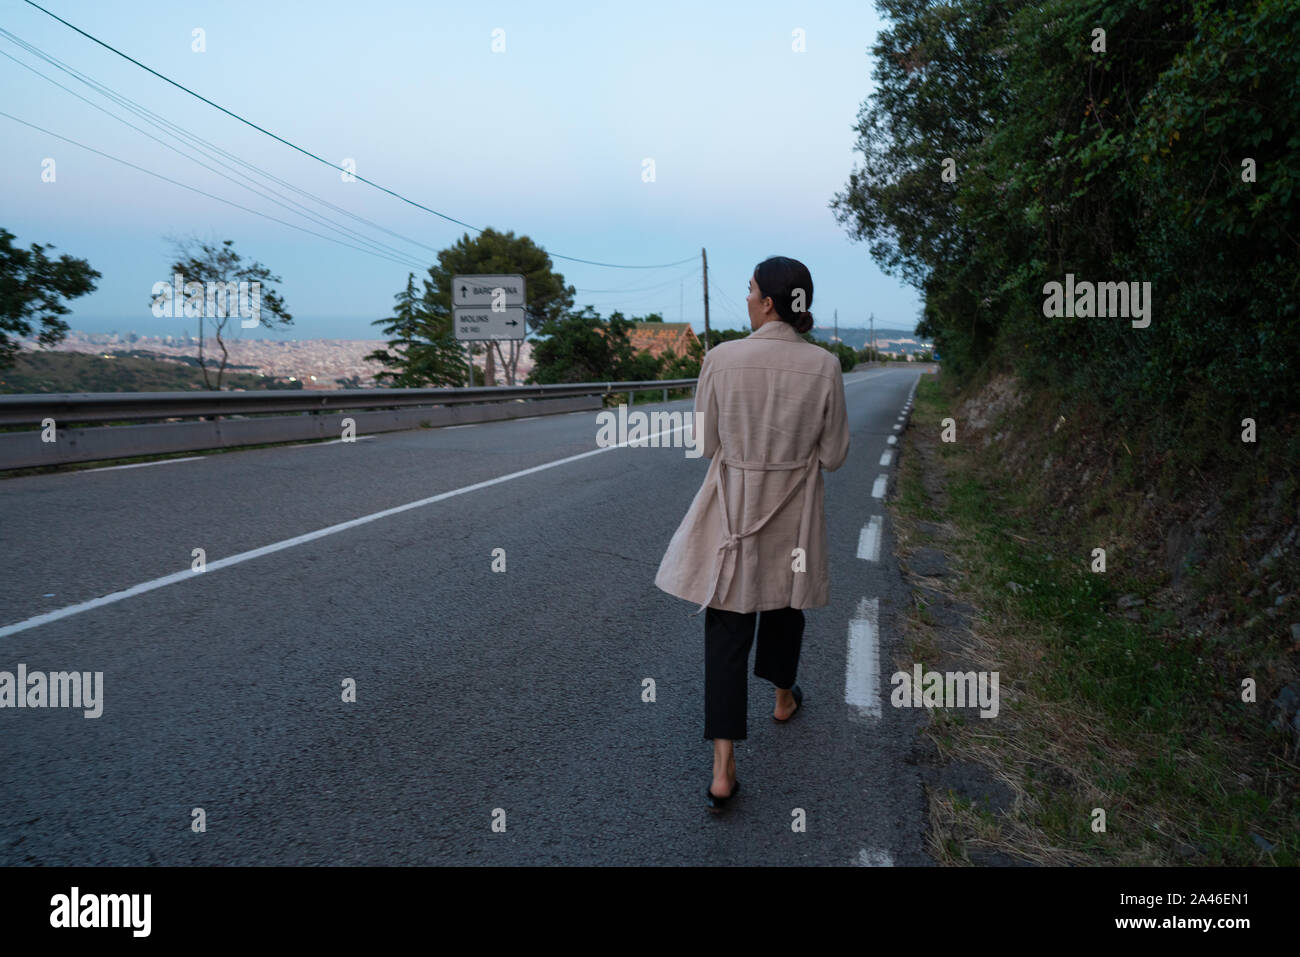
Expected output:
(249, 418)
(108, 406)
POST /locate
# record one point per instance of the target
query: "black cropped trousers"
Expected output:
(728, 636)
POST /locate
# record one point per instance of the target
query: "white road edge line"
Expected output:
(872, 857)
(316, 445)
(140, 465)
(862, 671)
(869, 540)
(878, 489)
(893, 440)
(220, 563)
(886, 458)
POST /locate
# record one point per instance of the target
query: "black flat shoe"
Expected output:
(716, 803)
(798, 704)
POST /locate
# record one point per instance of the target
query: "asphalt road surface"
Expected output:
(481, 696)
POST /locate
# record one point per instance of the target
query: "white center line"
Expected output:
(316, 445)
(188, 573)
(874, 857)
(140, 465)
(862, 673)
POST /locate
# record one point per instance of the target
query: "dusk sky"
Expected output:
(750, 141)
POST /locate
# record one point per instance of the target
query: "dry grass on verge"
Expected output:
(1095, 711)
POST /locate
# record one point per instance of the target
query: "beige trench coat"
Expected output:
(770, 414)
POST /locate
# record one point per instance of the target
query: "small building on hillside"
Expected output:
(657, 338)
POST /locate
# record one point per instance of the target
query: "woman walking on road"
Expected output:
(770, 415)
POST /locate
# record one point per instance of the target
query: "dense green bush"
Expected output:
(1123, 165)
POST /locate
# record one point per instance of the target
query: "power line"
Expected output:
(621, 300)
(629, 305)
(391, 251)
(201, 192)
(680, 277)
(164, 125)
(728, 304)
(713, 288)
(319, 159)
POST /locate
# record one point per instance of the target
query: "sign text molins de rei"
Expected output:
(488, 307)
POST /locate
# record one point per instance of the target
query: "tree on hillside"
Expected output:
(31, 289)
(1004, 148)
(686, 366)
(198, 261)
(422, 348)
(847, 355)
(491, 252)
(938, 77)
(581, 348)
(725, 335)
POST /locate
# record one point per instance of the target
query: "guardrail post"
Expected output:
(665, 396)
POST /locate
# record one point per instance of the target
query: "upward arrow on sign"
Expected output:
(489, 290)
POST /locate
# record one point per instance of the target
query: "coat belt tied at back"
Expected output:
(731, 540)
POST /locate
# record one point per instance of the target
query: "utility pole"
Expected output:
(705, 255)
(871, 356)
(469, 348)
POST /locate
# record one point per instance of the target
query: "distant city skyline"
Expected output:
(234, 332)
(343, 327)
(322, 361)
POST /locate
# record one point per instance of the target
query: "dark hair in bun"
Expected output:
(783, 279)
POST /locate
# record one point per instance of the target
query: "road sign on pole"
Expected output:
(488, 307)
